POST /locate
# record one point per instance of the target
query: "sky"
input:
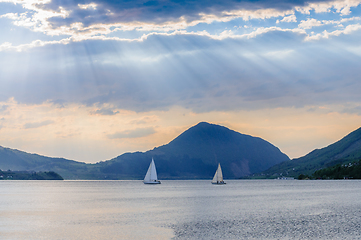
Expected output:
(91, 80)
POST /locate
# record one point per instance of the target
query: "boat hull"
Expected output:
(219, 183)
(155, 182)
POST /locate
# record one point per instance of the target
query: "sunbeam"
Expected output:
(89, 80)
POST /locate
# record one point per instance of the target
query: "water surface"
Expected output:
(242, 209)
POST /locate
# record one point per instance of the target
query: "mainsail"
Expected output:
(151, 176)
(218, 176)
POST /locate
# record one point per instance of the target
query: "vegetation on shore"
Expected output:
(29, 175)
(351, 170)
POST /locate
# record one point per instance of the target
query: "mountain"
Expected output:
(346, 150)
(194, 154)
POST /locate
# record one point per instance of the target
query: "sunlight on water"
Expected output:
(269, 209)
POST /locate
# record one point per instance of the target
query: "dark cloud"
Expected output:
(135, 133)
(155, 11)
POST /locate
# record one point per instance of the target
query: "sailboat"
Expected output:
(218, 176)
(151, 176)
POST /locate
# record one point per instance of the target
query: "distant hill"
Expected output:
(194, 154)
(346, 150)
(15, 160)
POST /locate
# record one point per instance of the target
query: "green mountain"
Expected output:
(346, 150)
(193, 154)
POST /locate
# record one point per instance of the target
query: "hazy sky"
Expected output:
(90, 80)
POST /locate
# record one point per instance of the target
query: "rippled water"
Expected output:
(243, 209)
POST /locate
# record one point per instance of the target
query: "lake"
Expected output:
(241, 209)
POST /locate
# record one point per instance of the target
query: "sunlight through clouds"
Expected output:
(98, 78)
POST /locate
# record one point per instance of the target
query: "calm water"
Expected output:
(244, 209)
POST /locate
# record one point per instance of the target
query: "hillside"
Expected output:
(346, 150)
(194, 154)
(340, 171)
(15, 160)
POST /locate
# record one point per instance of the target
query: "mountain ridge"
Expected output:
(194, 154)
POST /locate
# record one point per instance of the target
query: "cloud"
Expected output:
(325, 34)
(310, 23)
(105, 111)
(37, 124)
(288, 19)
(3, 108)
(159, 12)
(106, 19)
(143, 64)
(1, 120)
(269, 68)
(352, 109)
(152, 11)
(145, 120)
(92, 6)
(135, 133)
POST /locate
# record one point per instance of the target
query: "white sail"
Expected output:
(215, 177)
(218, 176)
(151, 176)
